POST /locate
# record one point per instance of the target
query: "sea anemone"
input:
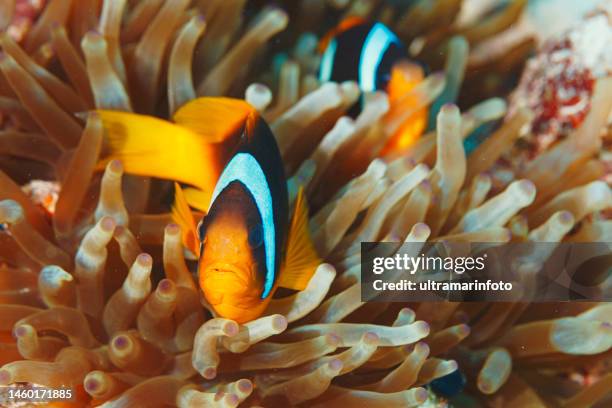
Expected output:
(96, 294)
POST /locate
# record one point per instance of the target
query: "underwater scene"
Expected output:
(306, 203)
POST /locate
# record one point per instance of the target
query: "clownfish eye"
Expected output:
(255, 236)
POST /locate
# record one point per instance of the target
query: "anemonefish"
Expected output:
(246, 244)
(450, 385)
(368, 53)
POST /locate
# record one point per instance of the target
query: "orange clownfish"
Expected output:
(369, 53)
(246, 244)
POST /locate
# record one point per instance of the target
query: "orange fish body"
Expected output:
(245, 244)
(231, 268)
(244, 232)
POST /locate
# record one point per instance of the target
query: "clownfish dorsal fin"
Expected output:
(301, 259)
(181, 215)
(152, 147)
(215, 118)
(343, 26)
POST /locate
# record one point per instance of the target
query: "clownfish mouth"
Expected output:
(223, 279)
(240, 273)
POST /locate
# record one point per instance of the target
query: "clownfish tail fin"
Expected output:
(181, 215)
(301, 258)
(146, 146)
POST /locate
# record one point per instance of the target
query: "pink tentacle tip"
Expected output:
(335, 364)
(424, 327)
(566, 217)
(209, 373)
(280, 323)
(245, 386)
(421, 229)
(449, 108)
(425, 184)
(121, 342)
(421, 395)
(421, 347)
(260, 88)
(527, 187)
(5, 377)
(93, 33)
(485, 385)
(173, 229)
(91, 385)
(20, 331)
(115, 166)
(231, 400)
(231, 329)
(144, 260)
(108, 223)
(165, 285)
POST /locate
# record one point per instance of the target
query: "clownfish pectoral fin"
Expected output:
(301, 259)
(404, 78)
(181, 215)
(198, 199)
(152, 147)
(214, 118)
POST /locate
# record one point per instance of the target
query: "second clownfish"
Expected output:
(369, 53)
(246, 244)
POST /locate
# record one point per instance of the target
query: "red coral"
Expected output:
(26, 11)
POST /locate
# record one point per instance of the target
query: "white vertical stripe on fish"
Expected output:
(327, 61)
(244, 168)
(378, 40)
